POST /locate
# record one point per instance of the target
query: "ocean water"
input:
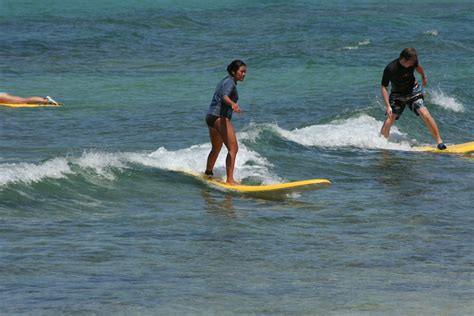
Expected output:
(95, 217)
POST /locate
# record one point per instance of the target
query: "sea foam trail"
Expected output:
(107, 165)
(360, 132)
(438, 97)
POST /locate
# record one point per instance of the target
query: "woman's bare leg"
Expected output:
(227, 133)
(7, 98)
(216, 142)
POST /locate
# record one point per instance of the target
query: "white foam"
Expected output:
(360, 132)
(359, 44)
(102, 162)
(438, 97)
(431, 32)
(30, 173)
(350, 47)
(248, 162)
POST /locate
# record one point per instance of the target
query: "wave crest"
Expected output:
(105, 165)
(28, 173)
(360, 132)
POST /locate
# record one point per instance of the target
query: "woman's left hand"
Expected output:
(235, 107)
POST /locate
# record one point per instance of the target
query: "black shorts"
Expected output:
(399, 107)
(211, 120)
(414, 100)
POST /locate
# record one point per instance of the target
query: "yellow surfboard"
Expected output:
(452, 149)
(27, 105)
(276, 188)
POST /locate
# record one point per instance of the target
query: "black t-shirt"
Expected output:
(402, 79)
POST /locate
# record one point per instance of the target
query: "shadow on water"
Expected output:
(219, 206)
(229, 203)
(468, 157)
(400, 175)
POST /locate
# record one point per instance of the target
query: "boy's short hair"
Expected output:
(409, 53)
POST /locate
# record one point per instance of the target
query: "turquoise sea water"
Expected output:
(96, 219)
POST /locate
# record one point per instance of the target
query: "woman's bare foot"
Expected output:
(232, 182)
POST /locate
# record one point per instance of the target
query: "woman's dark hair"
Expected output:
(409, 54)
(234, 66)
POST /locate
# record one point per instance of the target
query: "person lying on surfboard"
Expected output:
(11, 99)
(218, 119)
(406, 91)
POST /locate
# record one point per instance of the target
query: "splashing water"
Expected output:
(438, 97)
(360, 132)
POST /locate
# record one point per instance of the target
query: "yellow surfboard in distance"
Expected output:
(28, 105)
(283, 188)
(452, 149)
